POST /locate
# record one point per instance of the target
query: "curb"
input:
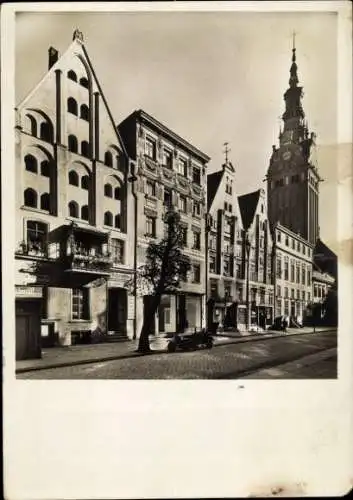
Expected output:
(236, 340)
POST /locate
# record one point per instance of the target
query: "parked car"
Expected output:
(277, 324)
(187, 342)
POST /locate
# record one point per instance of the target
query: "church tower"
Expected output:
(292, 176)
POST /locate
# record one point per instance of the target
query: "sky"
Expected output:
(211, 77)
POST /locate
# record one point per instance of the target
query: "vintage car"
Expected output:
(190, 341)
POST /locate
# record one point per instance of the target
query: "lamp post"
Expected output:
(248, 312)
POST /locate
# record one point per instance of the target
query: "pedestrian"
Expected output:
(285, 324)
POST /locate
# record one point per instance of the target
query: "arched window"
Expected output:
(84, 82)
(84, 212)
(84, 112)
(30, 198)
(45, 168)
(73, 209)
(108, 159)
(45, 202)
(33, 125)
(31, 163)
(85, 182)
(72, 106)
(117, 193)
(73, 178)
(85, 149)
(117, 221)
(46, 132)
(72, 144)
(72, 75)
(108, 219)
(108, 190)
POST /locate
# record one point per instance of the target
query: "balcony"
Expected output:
(31, 249)
(99, 264)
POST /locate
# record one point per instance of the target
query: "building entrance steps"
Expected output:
(84, 354)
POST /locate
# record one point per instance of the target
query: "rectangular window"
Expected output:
(279, 267)
(197, 240)
(117, 251)
(196, 209)
(286, 292)
(150, 226)
(167, 197)
(150, 148)
(292, 293)
(196, 273)
(309, 296)
(279, 237)
(196, 175)
(286, 308)
(225, 206)
(303, 295)
(167, 158)
(226, 266)
(309, 277)
(303, 275)
(278, 291)
(183, 167)
(184, 235)
(151, 188)
(182, 203)
(286, 270)
(287, 241)
(80, 303)
(298, 273)
(212, 263)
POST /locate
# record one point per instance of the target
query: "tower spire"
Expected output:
(293, 80)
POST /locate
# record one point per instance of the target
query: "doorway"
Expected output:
(117, 310)
(28, 329)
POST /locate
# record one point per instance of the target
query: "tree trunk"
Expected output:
(144, 342)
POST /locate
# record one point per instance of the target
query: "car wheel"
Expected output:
(171, 347)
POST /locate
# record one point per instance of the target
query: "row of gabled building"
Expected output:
(91, 195)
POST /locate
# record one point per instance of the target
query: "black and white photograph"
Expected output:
(177, 228)
(177, 249)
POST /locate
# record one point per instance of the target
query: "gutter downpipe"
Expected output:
(133, 179)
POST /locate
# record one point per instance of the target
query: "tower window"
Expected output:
(84, 112)
(72, 75)
(84, 82)
(108, 159)
(73, 178)
(85, 149)
(72, 144)
(33, 125)
(45, 168)
(72, 106)
(108, 219)
(30, 198)
(84, 212)
(85, 182)
(45, 202)
(31, 163)
(108, 190)
(73, 209)
(117, 193)
(46, 132)
(117, 221)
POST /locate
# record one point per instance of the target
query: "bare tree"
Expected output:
(166, 265)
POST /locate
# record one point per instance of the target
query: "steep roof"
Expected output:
(213, 182)
(247, 205)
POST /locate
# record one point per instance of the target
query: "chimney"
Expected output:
(53, 57)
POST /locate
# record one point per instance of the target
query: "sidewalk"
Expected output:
(55, 357)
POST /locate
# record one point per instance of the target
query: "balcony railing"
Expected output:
(98, 263)
(31, 249)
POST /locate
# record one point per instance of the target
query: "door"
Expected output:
(117, 310)
(181, 313)
(28, 329)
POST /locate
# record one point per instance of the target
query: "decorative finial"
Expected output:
(226, 151)
(78, 35)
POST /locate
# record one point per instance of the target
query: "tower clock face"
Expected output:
(286, 155)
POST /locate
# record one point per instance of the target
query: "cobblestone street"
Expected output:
(250, 359)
